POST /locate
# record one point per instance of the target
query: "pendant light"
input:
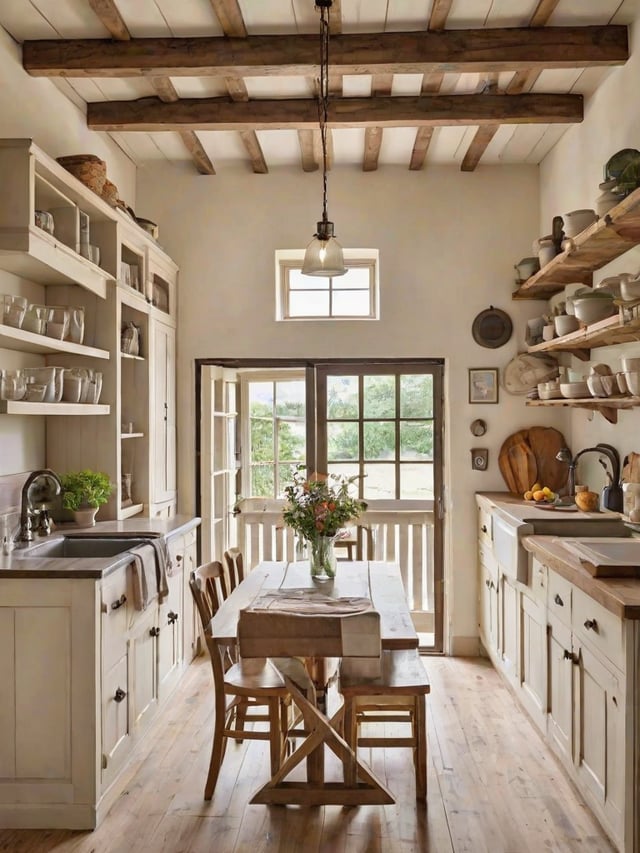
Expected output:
(323, 256)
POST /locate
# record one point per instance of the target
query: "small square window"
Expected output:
(353, 296)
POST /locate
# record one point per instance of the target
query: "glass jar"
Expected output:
(75, 333)
(35, 319)
(57, 323)
(13, 310)
(13, 385)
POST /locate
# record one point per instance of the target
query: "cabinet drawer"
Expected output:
(115, 608)
(559, 597)
(537, 580)
(599, 627)
(485, 527)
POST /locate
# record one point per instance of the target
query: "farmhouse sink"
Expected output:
(81, 546)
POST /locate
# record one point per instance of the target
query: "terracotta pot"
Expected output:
(587, 501)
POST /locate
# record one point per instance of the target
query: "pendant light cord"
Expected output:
(323, 100)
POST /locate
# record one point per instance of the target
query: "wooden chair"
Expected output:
(396, 696)
(238, 692)
(235, 567)
(286, 637)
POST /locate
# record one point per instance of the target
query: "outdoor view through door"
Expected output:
(380, 421)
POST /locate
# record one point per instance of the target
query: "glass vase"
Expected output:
(322, 558)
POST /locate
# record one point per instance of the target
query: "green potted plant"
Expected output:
(84, 492)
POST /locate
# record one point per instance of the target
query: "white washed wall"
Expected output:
(447, 242)
(570, 175)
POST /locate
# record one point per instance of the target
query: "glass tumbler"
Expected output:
(57, 323)
(76, 325)
(35, 319)
(13, 385)
(13, 310)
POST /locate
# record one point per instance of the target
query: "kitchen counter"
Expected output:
(621, 596)
(527, 511)
(92, 567)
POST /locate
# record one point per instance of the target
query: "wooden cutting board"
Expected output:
(529, 455)
(631, 469)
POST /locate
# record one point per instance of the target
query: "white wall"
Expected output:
(34, 107)
(570, 175)
(447, 242)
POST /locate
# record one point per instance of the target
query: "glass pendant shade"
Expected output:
(323, 256)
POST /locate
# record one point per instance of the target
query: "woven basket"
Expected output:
(88, 168)
(110, 193)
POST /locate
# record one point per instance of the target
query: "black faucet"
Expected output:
(611, 495)
(26, 510)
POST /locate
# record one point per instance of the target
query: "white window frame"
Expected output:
(288, 259)
(245, 378)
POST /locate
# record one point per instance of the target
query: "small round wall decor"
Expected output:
(492, 328)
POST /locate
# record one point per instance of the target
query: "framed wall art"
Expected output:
(483, 384)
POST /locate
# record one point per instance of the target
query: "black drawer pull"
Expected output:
(591, 625)
(558, 600)
(119, 694)
(487, 583)
(484, 528)
(155, 632)
(171, 617)
(117, 604)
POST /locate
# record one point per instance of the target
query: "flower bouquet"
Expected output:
(316, 508)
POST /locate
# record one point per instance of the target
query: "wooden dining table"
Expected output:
(380, 583)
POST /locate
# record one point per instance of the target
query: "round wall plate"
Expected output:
(478, 427)
(492, 328)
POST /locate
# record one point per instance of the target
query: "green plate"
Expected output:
(620, 161)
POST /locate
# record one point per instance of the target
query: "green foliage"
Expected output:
(320, 506)
(85, 488)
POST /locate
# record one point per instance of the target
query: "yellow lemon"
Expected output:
(537, 487)
(528, 496)
(539, 495)
(547, 491)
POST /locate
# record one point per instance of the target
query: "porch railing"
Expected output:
(403, 537)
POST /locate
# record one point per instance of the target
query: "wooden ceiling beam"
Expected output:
(151, 114)
(453, 51)
(522, 81)
(230, 17)
(110, 17)
(380, 86)
(439, 14)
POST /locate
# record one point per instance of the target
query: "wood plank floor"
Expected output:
(493, 786)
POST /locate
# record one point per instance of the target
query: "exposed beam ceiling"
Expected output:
(450, 51)
(151, 114)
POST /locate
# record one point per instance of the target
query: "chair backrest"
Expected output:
(235, 567)
(209, 589)
(275, 634)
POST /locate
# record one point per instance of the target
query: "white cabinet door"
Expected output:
(508, 628)
(143, 662)
(600, 754)
(560, 662)
(116, 740)
(170, 636)
(533, 658)
(163, 426)
(488, 610)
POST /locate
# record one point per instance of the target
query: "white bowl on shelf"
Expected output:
(565, 324)
(633, 382)
(574, 390)
(591, 309)
(630, 289)
(630, 364)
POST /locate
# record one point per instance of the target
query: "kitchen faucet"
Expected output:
(26, 507)
(612, 493)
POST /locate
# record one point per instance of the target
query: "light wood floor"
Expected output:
(493, 786)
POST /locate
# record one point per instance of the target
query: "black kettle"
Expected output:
(611, 495)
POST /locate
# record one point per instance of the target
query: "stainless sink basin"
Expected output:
(81, 546)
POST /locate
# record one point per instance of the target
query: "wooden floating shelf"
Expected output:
(599, 244)
(20, 407)
(607, 406)
(132, 357)
(23, 341)
(606, 332)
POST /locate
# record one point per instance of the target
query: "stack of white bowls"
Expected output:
(631, 369)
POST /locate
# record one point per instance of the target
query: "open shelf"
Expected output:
(23, 341)
(607, 406)
(612, 330)
(20, 407)
(599, 244)
(128, 511)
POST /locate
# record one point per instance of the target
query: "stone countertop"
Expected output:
(619, 595)
(526, 511)
(92, 567)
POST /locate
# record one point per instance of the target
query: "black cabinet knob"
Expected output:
(484, 528)
(117, 604)
(171, 617)
(155, 632)
(558, 600)
(119, 694)
(591, 625)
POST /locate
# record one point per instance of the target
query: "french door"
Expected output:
(380, 421)
(383, 423)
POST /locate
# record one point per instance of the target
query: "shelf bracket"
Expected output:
(609, 414)
(582, 354)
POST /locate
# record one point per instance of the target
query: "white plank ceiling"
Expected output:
(27, 20)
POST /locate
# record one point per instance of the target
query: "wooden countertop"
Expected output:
(619, 595)
(12, 566)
